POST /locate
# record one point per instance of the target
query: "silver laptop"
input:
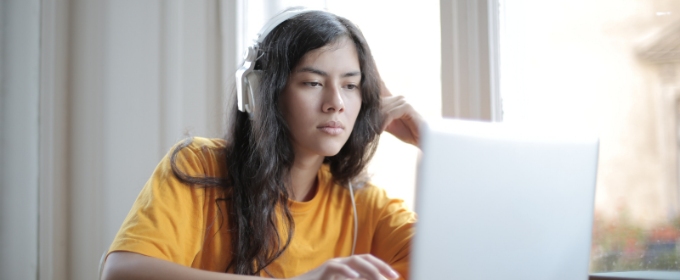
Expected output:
(497, 201)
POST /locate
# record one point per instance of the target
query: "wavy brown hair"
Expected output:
(259, 153)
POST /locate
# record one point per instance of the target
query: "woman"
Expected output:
(282, 196)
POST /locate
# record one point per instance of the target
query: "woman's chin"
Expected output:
(329, 151)
(323, 148)
(330, 154)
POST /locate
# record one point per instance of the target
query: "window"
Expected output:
(612, 67)
(407, 53)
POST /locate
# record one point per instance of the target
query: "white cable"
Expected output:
(356, 219)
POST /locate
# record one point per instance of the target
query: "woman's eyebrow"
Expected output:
(351, 74)
(323, 73)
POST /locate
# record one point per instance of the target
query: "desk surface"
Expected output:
(646, 275)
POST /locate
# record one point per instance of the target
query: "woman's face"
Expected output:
(322, 99)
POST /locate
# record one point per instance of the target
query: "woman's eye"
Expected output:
(313, 84)
(351, 86)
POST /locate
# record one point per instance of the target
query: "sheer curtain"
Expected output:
(128, 80)
(19, 95)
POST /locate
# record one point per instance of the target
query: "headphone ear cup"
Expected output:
(253, 83)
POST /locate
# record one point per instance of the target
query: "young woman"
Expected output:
(283, 195)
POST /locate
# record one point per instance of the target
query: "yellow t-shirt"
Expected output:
(175, 221)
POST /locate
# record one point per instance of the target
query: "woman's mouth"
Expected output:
(332, 127)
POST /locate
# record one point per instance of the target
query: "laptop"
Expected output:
(497, 201)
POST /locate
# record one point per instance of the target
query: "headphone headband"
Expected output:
(278, 19)
(248, 79)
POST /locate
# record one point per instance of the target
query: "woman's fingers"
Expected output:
(338, 269)
(365, 267)
(384, 268)
(400, 119)
(370, 267)
(392, 108)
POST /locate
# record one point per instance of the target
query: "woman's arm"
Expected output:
(127, 265)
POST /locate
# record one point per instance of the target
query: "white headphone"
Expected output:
(248, 83)
(248, 79)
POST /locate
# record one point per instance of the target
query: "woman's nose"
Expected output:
(333, 101)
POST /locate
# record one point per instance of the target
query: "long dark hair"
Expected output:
(259, 154)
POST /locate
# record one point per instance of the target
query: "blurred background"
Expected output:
(612, 67)
(95, 92)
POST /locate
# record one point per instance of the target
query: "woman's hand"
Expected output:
(354, 267)
(399, 118)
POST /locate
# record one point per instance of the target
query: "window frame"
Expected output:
(470, 60)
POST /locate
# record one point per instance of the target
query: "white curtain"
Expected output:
(129, 79)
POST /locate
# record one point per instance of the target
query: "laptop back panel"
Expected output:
(502, 202)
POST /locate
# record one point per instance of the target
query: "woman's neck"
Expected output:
(303, 176)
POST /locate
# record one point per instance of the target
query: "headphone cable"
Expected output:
(356, 222)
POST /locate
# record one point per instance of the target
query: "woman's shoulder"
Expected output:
(204, 145)
(200, 156)
(371, 192)
(364, 190)
(377, 203)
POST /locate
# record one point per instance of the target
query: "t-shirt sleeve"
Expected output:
(166, 221)
(393, 232)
